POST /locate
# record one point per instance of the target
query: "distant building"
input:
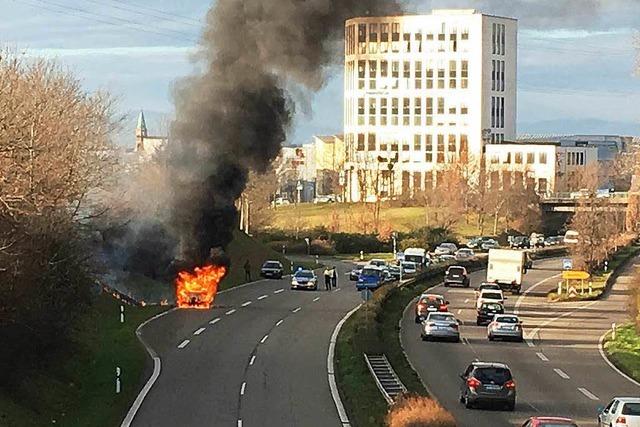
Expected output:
(147, 145)
(329, 163)
(609, 146)
(423, 92)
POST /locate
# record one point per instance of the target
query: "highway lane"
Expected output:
(558, 372)
(257, 358)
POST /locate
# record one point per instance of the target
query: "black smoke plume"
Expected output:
(234, 116)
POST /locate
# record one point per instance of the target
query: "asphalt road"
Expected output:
(558, 370)
(258, 358)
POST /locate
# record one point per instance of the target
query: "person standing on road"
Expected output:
(334, 276)
(327, 279)
(247, 271)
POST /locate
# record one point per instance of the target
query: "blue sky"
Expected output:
(575, 64)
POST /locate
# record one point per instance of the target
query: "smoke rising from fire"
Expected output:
(234, 116)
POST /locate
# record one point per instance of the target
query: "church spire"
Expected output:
(141, 128)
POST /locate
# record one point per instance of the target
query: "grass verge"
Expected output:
(76, 385)
(624, 351)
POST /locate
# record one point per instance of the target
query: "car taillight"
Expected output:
(510, 385)
(473, 383)
(454, 325)
(431, 324)
(621, 420)
(443, 307)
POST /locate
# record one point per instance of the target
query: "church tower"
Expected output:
(141, 132)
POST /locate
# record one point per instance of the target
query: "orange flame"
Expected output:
(198, 289)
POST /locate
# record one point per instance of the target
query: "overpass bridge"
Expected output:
(564, 202)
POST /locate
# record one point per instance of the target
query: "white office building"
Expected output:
(423, 93)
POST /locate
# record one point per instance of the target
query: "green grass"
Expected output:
(624, 351)
(76, 387)
(345, 217)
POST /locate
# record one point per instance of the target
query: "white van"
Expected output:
(571, 237)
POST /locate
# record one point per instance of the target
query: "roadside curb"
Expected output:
(344, 419)
(610, 363)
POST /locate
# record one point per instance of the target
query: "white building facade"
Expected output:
(419, 92)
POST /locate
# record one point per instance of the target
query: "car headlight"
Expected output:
(294, 282)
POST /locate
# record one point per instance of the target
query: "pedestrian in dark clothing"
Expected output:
(334, 277)
(327, 279)
(247, 271)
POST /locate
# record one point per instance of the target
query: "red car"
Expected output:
(429, 303)
(549, 422)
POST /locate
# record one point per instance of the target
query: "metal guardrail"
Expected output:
(386, 379)
(558, 197)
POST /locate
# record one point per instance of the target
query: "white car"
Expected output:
(378, 262)
(621, 412)
(491, 296)
(464, 254)
(446, 249)
(505, 326)
(409, 268)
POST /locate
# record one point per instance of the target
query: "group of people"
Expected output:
(330, 278)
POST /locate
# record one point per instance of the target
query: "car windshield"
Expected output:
(631, 409)
(441, 317)
(408, 265)
(432, 301)
(370, 272)
(507, 319)
(456, 270)
(271, 264)
(305, 273)
(496, 375)
(492, 295)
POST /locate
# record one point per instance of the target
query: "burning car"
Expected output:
(198, 289)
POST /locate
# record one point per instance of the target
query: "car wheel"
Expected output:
(446, 285)
(417, 319)
(511, 406)
(467, 403)
(491, 338)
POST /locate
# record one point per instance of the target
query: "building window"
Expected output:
(430, 36)
(494, 37)
(451, 149)
(453, 37)
(493, 74)
(418, 43)
(465, 34)
(406, 74)
(502, 76)
(453, 74)
(394, 111)
(429, 78)
(384, 38)
(360, 111)
(502, 38)
(464, 148)
(441, 78)
(395, 37)
(542, 158)
(518, 158)
(361, 74)
(373, 74)
(440, 147)
(429, 111)
(464, 109)
(493, 112)
(360, 142)
(464, 82)
(428, 180)
(530, 158)
(452, 110)
(440, 105)
(383, 111)
(371, 142)
(417, 111)
(502, 114)
(373, 38)
(542, 185)
(418, 75)
(395, 74)
(495, 159)
(405, 147)
(507, 159)
(406, 45)
(372, 111)
(428, 147)
(417, 143)
(406, 111)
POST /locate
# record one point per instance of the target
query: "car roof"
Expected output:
(507, 315)
(304, 271)
(480, 364)
(490, 291)
(628, 399)
(431, 295)
(552, 419)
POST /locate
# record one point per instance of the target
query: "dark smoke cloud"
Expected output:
(550, 14)
(234, 116)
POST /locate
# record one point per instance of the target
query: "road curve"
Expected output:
(558, 371)
(258, 358)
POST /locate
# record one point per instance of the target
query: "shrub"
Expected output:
(427, 237)
(348, 243)
(418, 411)
(322, 247)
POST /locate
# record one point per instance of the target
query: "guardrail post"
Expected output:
(613, 329)
(118, 379)
(590, 288)
(122, 314)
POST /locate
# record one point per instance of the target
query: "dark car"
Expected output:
(394, 271)
(456, 275)
(520, 242)
(488, 383)
(549, 422)
(487, 311)
(272, 269)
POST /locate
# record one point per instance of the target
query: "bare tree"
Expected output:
(260, 191)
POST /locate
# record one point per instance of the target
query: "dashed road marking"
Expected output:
(295, 310)
(316, 299)
(466, 300)
(261, 297)
(244, 385)
(244, 304)
(214, 321)
(588, 393)
(239, 423)
(336, 290)
(529, 342)
(184, 343)
(279, 322)
(542, 357)
(199, 331)
(459, 311)
(253, 359)
(230, 312)
(561, 373)
(264, 338)
(278, 291)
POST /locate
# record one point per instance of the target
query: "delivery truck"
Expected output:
(417, 255)
(506, 267)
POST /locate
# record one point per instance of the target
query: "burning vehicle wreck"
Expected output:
(199, 289)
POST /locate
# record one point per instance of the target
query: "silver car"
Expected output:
(440, 326)
(505, 326)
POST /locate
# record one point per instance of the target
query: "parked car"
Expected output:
(272, 269)
(355, 274)
(604, 193)
(304, 279)
(394, 271)
(456, 275)
(571, 237)
(329, 198)
(520, 242)
(446, 249)
(487, 285)
(536, 240)
(476, 242)
(505, 326)
(621, 411)
(409, 268)
(487, 312)
(378, 262)
(281, 201)
(549, 422)
(465, 254)
(490, 295)
(489, 244)
(371, 277)
(553, 240)
(488, 383)
(440, 326)
(430, 303)
(446, 258)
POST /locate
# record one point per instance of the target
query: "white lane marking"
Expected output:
(184, 343)
(244, 304)
(606, 359)
(561, 373)
(278, 291)
(261, 297)
(588, 393)
(542, 357)
(466, 300)
(199, 331)
(214, 321)
(536, 331)
(459, 311)
(244, 385)
(279, 322)
(239, 423)
(264, 338)
(253, 359)
(529, 342)
(316, 299)
(296, 310)
(521, 298)
(230, 312)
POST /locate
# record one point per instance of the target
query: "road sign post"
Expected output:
(366, 295)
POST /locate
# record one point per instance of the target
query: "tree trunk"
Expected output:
(495, 223)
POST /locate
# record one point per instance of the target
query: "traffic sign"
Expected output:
(575, 275)
(366, 295)
(567, 264)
